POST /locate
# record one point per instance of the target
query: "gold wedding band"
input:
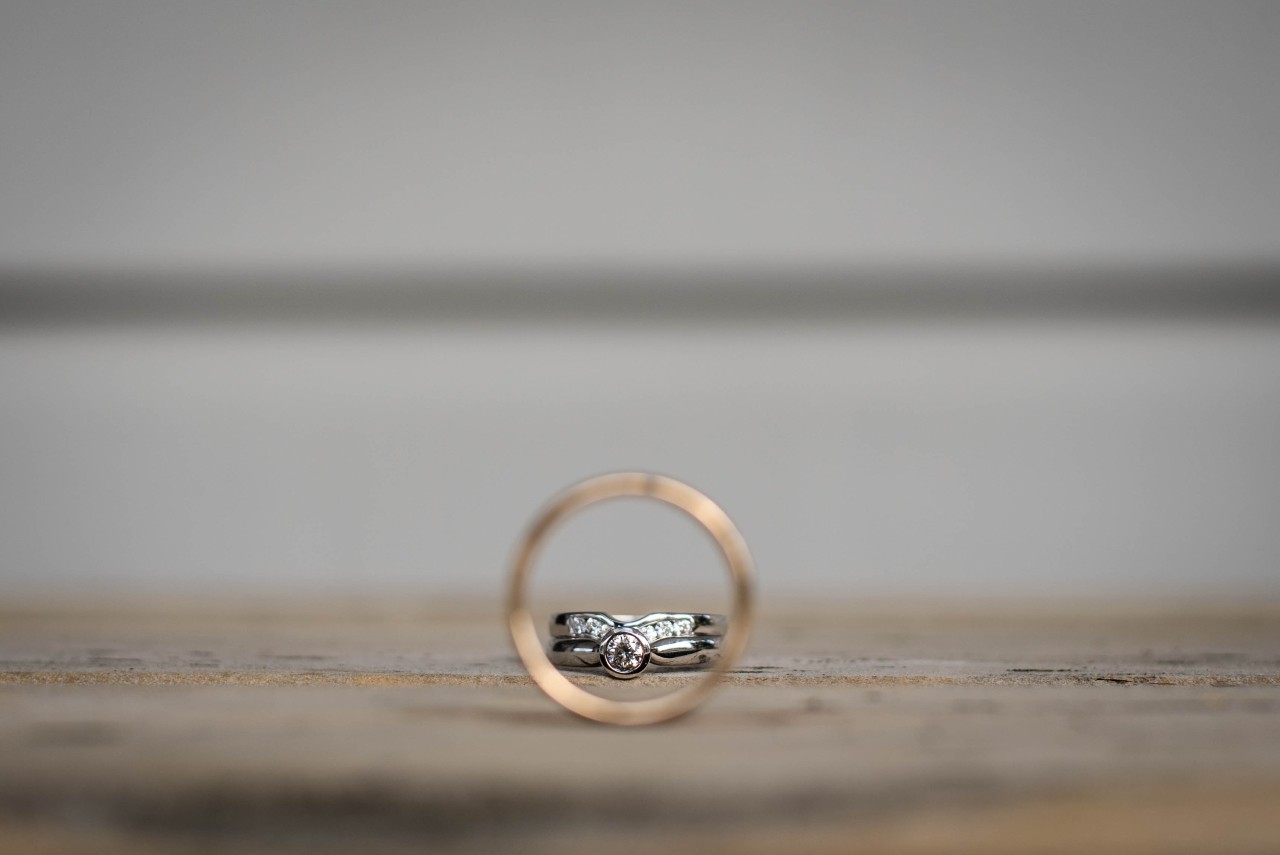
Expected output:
(525, 634)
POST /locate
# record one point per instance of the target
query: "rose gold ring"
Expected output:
(525, 634)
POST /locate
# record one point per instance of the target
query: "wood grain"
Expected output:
(180, 727)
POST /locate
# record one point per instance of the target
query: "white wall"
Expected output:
(173, 434)
(144, 131)
(970, 458)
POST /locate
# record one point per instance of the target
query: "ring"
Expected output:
(722, 650)
(625, 645)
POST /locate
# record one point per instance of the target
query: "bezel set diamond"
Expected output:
(624, 653)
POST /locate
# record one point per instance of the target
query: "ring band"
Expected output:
(668, 653)
(652, 626)
(668, 639)
(524, 632)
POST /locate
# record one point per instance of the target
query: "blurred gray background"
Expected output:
(938, 299)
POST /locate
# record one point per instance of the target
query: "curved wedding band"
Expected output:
(653, 626)
(667, 639)
(729, 647)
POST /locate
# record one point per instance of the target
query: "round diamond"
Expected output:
(625, 652)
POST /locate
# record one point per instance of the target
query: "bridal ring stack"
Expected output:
(624, 645)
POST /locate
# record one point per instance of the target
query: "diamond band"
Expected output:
(624, 645)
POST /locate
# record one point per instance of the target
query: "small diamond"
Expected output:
(660, 629)
(625, 652)
(587, 626)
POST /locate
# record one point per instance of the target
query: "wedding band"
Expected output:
(722, 650)
(653, 626)
(624, 645)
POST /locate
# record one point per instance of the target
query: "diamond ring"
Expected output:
(625, 645)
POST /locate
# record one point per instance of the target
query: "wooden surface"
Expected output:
(875, 728)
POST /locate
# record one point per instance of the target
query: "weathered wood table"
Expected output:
(347, 727)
